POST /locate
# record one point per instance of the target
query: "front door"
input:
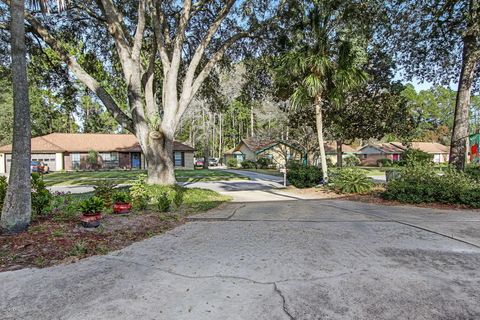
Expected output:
(136, 160)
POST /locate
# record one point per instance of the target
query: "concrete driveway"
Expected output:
(322, 259)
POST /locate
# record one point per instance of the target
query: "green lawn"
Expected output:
(122, 177)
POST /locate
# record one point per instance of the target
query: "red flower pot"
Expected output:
(91, 220)
(120, 208)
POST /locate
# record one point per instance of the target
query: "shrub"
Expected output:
(139, 193)
(41, 197)
(384, 163)
(232, 163)
(304, 176)
(92, 159)
(64, 207)
(179, 192)
(413, 157)
(330, 163)
(419, 184)
(264, 163)
(473, 171)
(351, 161)
(248, 164)
(163, 202)
(121, 197)
(104, 190)
(91, 205)
(351, 180)
(3, 190)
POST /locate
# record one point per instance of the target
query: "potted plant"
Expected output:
(121, 203)
(91, 209)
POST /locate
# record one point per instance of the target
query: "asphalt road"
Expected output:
(317, 259)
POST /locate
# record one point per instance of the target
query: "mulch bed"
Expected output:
(49, 242)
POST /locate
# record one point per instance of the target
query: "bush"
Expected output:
(91, 205)
(248, 164)
(121, 197)
(3, 190)
(419, 184)
(64, 207)
(384, 163)
(139, 193)
(351, 161)
(473, 171)
(264, 163)
(104, 190)
(232, 163)
(163, 202)
(413, 157)
(351, 180)
(178, 196)
(41, 197)
(92, 159)
(304, 176)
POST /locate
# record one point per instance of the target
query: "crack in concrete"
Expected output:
(284, 301)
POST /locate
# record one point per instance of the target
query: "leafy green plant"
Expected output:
(232, 163)
(248, 164)
(264, 163)
(139, 193)
(351, 161)
(473, 171)
(41, 197)
(304, 176)
(3, 190)
(351, 180)
(104, 189)
(419, 184)
(179, 193)
(121, 197)
(78, 249)
(92, 159)
(163, 202)
(414, 157)
(384, 162)
(91, 205)
(63, 207)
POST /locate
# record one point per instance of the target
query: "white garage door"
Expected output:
(47, 158)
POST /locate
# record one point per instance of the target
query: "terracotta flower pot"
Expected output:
(91, 220)
(120, 207)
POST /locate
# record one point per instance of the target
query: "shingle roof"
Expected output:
(398, 147)
(331, 147)
(84, 142)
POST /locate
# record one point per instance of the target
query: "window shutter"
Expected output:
(183, 159)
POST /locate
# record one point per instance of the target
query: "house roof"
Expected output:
(331, 147)
(257, 144)
(84, 142)
(230, 151)
(398, 147)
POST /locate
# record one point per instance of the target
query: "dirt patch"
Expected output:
(48, 242)
(313, 193)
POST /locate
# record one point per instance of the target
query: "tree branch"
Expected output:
(81, 74)
(192, 68)
(158, 19)
(137, 41)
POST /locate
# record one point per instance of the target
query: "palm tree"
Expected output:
(323, 64)
(16, 212)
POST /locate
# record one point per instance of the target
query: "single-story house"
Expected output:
(331, 152)
(371, 153)
(279, 151)
(69, 151)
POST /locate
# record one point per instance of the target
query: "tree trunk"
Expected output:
(158, 151)
(206, 134)
(319, 122)
(252, 122)
(17, 206)
(339, 153)
(458, 146)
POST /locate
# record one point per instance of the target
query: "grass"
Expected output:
(83, 178)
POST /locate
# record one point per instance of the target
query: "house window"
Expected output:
(179, 159)
(364, 156)
(109, 159)
(75, 160)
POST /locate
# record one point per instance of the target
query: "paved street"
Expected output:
(316, 259)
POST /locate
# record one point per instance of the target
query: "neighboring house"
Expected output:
(331, 151)
(279, 151)
(371, 153)
(69, 151)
